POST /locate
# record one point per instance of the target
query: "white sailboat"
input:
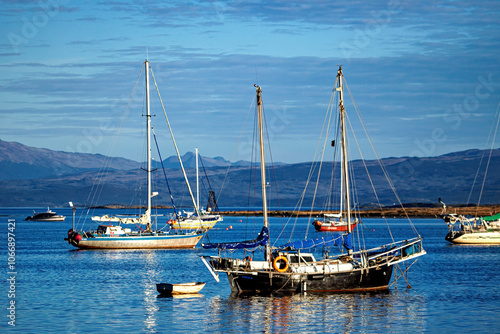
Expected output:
(191, 220)
(114, 236)
(471, 230)
(287, 269)
(475, 230)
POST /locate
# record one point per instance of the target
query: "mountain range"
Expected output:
(33, 177)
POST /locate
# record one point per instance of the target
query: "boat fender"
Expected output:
(78, 237)
(276, 266)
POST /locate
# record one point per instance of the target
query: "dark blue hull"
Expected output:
(269, 282)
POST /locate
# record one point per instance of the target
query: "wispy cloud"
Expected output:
(410, 67)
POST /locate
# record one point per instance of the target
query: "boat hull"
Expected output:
(474, 238)
(193, 224)
(270, 282)
(52, 219)
(178, 289)
(327, 227)
(139, 242)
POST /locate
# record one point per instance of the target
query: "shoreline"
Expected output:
(389, 212)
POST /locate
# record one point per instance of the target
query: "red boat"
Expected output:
(332, 225)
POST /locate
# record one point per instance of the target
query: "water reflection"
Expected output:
(386, 311)
(181, 296)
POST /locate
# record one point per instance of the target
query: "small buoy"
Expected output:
(226, 228)
(373, 230)
(240, 220)
(230, 227)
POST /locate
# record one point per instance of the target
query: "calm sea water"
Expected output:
(62, 290)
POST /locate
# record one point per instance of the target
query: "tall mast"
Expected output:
(262, 164)
(176, 148)
(197, 184)
(148, 129)
(345, 170)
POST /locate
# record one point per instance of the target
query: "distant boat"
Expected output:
(48, 216)
(332, 223)
(180, 288)
(114, 236)
(288, 269)
(207, 218)
(206, 221)
(472, 230)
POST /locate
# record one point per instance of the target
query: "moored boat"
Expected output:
(288, 269)
(206, 221)
(114, 236)
(332, 223)
(179, 288)
(471, 230)
(48, 216)
(203, 219)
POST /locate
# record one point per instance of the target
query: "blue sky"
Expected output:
(425, 75)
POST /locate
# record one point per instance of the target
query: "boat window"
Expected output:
(307, 259)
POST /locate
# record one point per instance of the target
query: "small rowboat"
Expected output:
(181, 288)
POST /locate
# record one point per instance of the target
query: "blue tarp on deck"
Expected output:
(261, 240)
(334, 240)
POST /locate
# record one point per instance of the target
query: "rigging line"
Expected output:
(253, 170)
(236, 147)
(175, 145)
(314, 163)
(92, 197)
(489, 159)
(331, 200)
(481, 160)
(369, 176)
(361, 240)
(165, 174)
(379, 160)
(477, 174)
(208, 181)
(272, 164)
(329, 113)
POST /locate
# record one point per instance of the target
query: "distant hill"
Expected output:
(54, 178)
(189, 161)
(18, 161)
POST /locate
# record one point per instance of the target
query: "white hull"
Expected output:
(53, 219)
(188, 224)
(182, 288)
(140, 242)
(478, 238)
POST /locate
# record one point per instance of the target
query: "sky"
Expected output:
(425, 75)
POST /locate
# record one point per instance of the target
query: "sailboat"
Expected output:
(286, 269)
(474, 230)
(332, 222)
(114, 236)
(208, 217)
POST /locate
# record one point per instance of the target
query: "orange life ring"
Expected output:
(275, 264)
